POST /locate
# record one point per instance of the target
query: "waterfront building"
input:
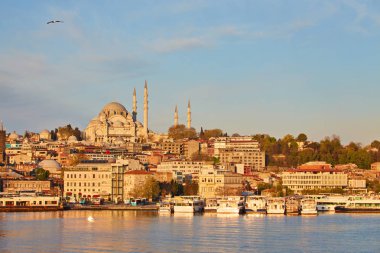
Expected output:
(18, 185)
(216, 183)
(308, 177)
(88, 179)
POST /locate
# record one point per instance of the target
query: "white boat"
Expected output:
(256, 204)
(329, 203)
(211, 205)
(275, 206)
(166, 207)
(230, 205)
(308, 207)
(188, 204)
(357, 204)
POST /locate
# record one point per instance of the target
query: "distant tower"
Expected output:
(188, 115)
(2, 143)
(146, 110)
(176, 117)
(134, 107)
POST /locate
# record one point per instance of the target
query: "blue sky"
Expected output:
(250, 67)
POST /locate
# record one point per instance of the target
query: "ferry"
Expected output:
(308, 206)
(166, 207)
(211, 205)
(255, 204)
(360, 205)
(275, 206)
(230, 205)
(188, 204)
(292, 206)
(20, 202)
(329, 203)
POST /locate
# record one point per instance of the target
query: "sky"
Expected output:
(272, 66)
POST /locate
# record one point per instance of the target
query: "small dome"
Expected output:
(13, 136)
(51, 165)
(72, 139)
(118, 123)
(45, 131)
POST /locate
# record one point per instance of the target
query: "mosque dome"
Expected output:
(13, 136)
(114, 108)
(45, 131)
(72, 139)
(51, 165)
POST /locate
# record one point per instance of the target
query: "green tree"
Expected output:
(41, 174)
(302, 137)
(190, 187)
(209, 133)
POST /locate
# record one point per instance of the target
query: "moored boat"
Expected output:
(188, 204)
(360, 205)
(292, 206)
(255, 204)
(275, 206)
(329, 203)
(308, 207)
(230, 205)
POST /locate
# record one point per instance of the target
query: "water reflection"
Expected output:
(126, 231)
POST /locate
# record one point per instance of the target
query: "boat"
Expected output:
(329, 203)
(188, 204)
(308, 206)
(25, 203)
(255, 204)
(360, 205)
(211, 205)
(230, 205)
(166, 207)
(275, 206)
(292, 206)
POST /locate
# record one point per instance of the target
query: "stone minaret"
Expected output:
(176, 117)
(188, 115)
(134, 107)
(2, 143)
(146, 110)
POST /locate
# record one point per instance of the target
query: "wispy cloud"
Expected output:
(366, 18)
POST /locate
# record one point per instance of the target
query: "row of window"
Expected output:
(80, 184)
(88, 175)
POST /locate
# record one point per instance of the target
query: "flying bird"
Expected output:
(54, 21)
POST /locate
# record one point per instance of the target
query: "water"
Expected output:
(125, 231)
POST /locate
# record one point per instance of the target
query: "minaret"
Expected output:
(146, 110)
(176, 117)
(188, 115)
(134, 107)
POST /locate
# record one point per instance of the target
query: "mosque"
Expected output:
(114, 125)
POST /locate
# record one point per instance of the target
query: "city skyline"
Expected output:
(248, 67)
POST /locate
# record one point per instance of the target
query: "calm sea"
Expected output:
(126, 231)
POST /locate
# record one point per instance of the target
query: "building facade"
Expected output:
(310, 179)
(215, 183)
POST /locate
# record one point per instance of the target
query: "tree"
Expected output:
(235, 135)
(190, 188)
(151, 188)
(209, 133)
(375, 144)
(302, 137)
(181, 132)
(202, 134)
(41, 174)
